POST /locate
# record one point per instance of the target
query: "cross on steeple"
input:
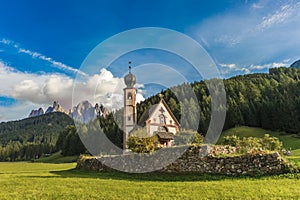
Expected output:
(160, 95)
(129, 66)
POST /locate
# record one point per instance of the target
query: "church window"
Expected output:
(129, 117)
(129, 95)
(162, 119)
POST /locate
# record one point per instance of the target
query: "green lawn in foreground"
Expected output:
(61, 181)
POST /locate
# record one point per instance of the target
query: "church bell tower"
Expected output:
(130, 115)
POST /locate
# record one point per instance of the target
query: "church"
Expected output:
(158, 120)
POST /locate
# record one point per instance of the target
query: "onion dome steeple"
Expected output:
(130, 79)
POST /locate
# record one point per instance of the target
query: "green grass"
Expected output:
(61, 181)
(46, 180)
(57, 158)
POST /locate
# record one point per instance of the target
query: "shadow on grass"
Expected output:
(154, 176)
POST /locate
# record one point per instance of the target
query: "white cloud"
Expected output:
(227, 69)
(40, 90)
(282, 15)
(5, 41)
(230, 68)
(256, 6)
(269, 65)
(37, 55)
(246, 36)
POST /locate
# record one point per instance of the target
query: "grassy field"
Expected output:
(45, 180)
(61, 181)
(57, 158)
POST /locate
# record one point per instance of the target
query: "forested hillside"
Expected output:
(270, 101)
(31, 137)
(40, 129)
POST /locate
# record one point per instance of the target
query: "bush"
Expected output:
(139, 142)
(271, 143)
(232, 140)
(188, 137)
(253, 144)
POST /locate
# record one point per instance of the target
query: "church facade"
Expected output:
(157, 120)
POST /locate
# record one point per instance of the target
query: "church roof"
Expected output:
(165, 135)
(149, 112)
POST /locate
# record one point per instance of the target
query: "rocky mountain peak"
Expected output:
(83, 112)
(35, 113)
(55, 108)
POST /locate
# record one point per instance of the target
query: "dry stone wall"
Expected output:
(196, 160)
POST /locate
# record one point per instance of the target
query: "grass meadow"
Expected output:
(26, 180)
(21, 180)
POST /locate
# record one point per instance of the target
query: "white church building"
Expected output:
(158, 120)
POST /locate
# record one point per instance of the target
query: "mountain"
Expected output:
(296, 64)
(35, 113)
(83, 112)
(55, 108)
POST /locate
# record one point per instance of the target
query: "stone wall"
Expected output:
(194, 161)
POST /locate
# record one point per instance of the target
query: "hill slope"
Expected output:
(41, 129)
(267, 100)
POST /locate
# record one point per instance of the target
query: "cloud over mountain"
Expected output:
(42, 89)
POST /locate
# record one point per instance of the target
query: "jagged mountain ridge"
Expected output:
(35, 113)
(83, 112)
(55, 108)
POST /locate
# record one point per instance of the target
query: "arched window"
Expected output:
(162, 119)
(129, 95)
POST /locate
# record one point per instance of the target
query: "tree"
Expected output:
(69, 142)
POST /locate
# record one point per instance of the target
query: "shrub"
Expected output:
(253, 144)
(139, 142)
(188, 137)
(271, 143)
(232, 140)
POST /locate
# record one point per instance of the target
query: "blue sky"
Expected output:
(43, 44)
